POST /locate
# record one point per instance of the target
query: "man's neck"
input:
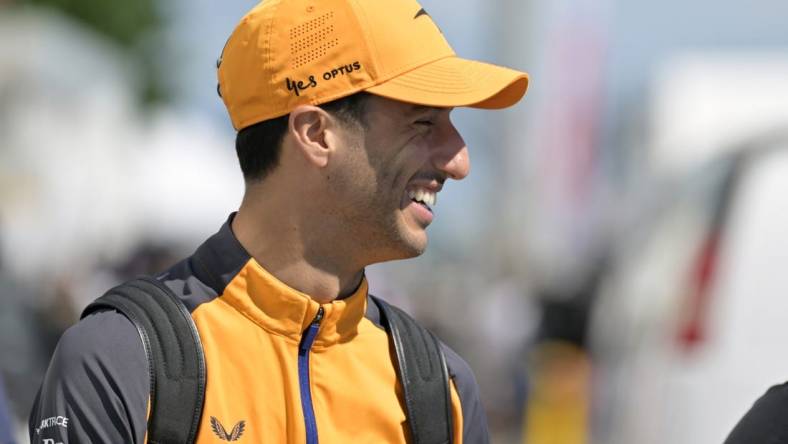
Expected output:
(283, 248)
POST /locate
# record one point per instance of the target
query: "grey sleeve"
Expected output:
(97, 385)
(474, 418)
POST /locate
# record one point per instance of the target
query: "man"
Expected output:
(342, 108)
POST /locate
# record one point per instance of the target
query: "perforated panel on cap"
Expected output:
(311, 40)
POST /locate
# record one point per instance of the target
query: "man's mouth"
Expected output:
(423, 197)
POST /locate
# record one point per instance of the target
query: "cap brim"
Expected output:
(453, 82)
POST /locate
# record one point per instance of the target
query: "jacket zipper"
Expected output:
(303, 377)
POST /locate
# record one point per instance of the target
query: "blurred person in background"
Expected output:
(765, 422)
(344, 141)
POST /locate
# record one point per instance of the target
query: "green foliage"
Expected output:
(133, 25)
(122, 21)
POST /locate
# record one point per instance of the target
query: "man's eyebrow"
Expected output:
(420, 109)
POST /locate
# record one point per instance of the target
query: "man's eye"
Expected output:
(424, 122)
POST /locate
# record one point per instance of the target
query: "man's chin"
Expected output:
(415, 244)
(414, 252)
(408, 247)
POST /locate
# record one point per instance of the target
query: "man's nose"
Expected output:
(450, 155)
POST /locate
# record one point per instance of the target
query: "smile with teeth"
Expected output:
(424, 197)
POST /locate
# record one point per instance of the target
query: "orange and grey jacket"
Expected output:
(281, 368)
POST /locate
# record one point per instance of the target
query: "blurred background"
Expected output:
(613, 269)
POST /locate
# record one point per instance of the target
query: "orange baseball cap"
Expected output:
(286, 53)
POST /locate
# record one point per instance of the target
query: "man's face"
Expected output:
(386, 179)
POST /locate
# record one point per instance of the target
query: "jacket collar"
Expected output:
(241, 281)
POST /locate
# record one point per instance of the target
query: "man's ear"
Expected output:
(310, 128)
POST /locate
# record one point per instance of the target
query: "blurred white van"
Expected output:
(691, 322)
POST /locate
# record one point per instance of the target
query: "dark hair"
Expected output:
(259, 146)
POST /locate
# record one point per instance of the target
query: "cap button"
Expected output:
(310, 8)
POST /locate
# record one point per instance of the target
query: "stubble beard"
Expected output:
(383, 234)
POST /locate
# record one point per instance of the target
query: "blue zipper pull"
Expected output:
(311, 332)
(318, 316)
(307, 339)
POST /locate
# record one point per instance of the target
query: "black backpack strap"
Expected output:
(423, 374)
(175, 356)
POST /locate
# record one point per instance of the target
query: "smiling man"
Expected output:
(345, 140)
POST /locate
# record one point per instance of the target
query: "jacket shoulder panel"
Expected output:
(96, 388)
(187, 286)
(474, 418)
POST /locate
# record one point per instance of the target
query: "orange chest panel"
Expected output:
(254, 393)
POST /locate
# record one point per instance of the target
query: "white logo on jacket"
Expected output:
(53, 421)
